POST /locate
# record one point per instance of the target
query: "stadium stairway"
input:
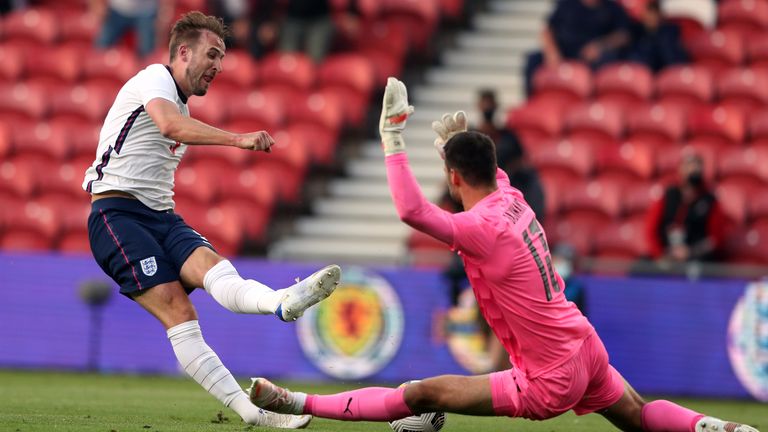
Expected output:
(356, 222)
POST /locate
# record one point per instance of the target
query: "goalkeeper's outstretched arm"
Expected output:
(412, 207)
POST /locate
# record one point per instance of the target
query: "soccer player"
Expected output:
(559, 362)
(138, 240)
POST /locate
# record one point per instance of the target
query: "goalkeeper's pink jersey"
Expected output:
(508, 263)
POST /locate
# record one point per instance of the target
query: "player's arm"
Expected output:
(412, 207)
(173, 125)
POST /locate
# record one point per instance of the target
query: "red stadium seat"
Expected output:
(600, 200)
(637, 197)
(37, 25)
(254, 185)
(222, 226)
(621, 240)
(266, 109)
(574, 230)
(757, 207)
(26, 240)
(194, 182)
(6, 140)
(213, 108)
(17, 181)
(757, 51)
(683, 87)
(624, 163)
(690, 28)
(66, 179)
(743, 88)
(656, 123)
(595, 122)
(717, 50)
(534, 123)
(288, 162)
(82, 137)
(387, 64)
(239, 71)
(82, 103)
(718, 124)
(80, 27)
(293, 72)
(562, 156)
(417, 18)
(22, 104)
(732, 198)
(113, 65)
(318, 108)
(624, 85)
(351, 77)
(747, 245)
(758, 127)
(744, 17)
(322, 142)
(749, 163)
(566, 83)
(12, 59)
(74, 241)
(62, 65)
(49, 141)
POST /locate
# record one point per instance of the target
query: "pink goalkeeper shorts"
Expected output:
(585, 383)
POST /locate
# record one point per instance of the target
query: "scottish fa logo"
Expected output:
(149, 266)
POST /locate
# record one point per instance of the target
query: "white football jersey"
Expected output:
(133, 156)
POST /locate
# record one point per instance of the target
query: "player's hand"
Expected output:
(394, 113)
(448, 126)
(256, 141)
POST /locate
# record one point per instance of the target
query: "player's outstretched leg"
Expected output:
(240, 295)
(303, 294)
(631, 413)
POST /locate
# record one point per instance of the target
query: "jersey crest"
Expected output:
(149, 266)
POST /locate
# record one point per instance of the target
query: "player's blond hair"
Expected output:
(188, 28)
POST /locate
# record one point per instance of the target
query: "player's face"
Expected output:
(204, 62)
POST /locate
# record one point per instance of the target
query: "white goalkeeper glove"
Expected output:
(394, 113)
(448, 126)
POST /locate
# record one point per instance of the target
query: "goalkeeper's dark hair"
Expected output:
(473, 155)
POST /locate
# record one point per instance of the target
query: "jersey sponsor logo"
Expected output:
(149, 266)
(748, 340)
(355, 332)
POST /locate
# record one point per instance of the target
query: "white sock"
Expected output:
(237, 294)
(204, 366)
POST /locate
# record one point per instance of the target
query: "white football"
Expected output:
(427, 422)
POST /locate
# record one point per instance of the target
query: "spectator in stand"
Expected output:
(656, 42)
(510, 154)
(251, 21)
(593, 31)
(11, 5)
(686, 224)
(144, 17)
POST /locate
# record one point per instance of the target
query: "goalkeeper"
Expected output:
(559, 362)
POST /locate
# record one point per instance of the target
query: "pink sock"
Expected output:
(664, 416)
(371, 403)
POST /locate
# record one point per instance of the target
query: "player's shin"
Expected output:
(204, 366)
(665, 416)
(239, 295)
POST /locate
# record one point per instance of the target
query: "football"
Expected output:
(427, 422)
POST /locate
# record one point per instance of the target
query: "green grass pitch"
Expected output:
(48, 401)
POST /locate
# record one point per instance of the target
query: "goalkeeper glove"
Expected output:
(394, 113)
(448, 126)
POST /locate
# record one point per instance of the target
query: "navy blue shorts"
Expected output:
(138, 247)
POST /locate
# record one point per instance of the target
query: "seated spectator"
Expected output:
(656, 42)
(510, 154)
(686, 224)
(251, 21)
(594, 31)
(144, 17)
